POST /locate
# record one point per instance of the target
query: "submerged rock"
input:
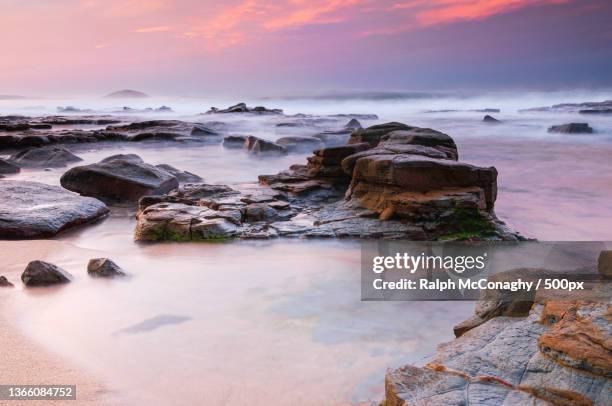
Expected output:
(242, 108)
(4, 283)
(104, 268)
(119, 178)
(41, 273)
(571, 128)
(44, 157)
(34, 210)
(490, 119)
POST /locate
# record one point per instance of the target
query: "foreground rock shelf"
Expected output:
(390, 181)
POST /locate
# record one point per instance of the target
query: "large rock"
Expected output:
(119, 178)
(44, 157)
(512, 361)
(571, 128)
(372, 135)
(182, 176)
(40, 273)
(35, 210)
(104, 268)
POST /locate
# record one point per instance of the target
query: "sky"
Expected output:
(265, 47)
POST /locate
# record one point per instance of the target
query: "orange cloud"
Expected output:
(159, 28)
(311, 12)
(448, 11)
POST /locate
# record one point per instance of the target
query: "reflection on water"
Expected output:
(281, 322)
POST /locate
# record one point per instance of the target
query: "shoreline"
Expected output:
(26, 362)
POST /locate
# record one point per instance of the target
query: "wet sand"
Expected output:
(25, 362)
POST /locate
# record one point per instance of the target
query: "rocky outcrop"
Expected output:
(35, 210)
(6, 167)
(571, 128)
(41, 273)
(582, 108)
(162, 130)
(509, 361)
(4, 283)
(44, 157)
(119, 178)
(401, 182)
(242, 108)
(104, 268)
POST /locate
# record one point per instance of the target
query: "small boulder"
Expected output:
(604, 264)
(122, 178)
(41, 273)
(353, 124)
(490, 119)
(259, 146)
(104, 268)
(234, 141)
(44, 157)
(7, 167)
(4, 283)
(571, 128)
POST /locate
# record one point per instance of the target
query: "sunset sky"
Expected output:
(191, 47)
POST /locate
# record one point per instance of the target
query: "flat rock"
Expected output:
(44, 157)
(41, 273)
(104, 268)
(119, 178)
(35, 210)
(571, 128)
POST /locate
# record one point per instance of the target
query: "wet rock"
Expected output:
(571, 128)
(242, 108)
(512, 360)
(182, 176)
(7, 167)
(104, 268)
(604, 264)
(373, 135)
(4, 283)
(300, 144)
(202, 130)
(119, 178)
(234, 141)
(353, 125)
(34, 210)
(490, 119)
(40, 273)
(44, 157)
(258, 146)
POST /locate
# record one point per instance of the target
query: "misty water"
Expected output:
(281, 321)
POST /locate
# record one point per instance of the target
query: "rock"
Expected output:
(490, 119)
(7, 167)
(104, 268)
(258, 146)
(512, 360)
(182, 176)
(201, 130)
(372, 135)
(119, 178)
(4, 283)
(234, 141)
(300, 144)
(44, 157)
(40, 273)
(353, 125)
(242, 108)
(571, 128)
(35, 210)
(583, 108)
(604, 264)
